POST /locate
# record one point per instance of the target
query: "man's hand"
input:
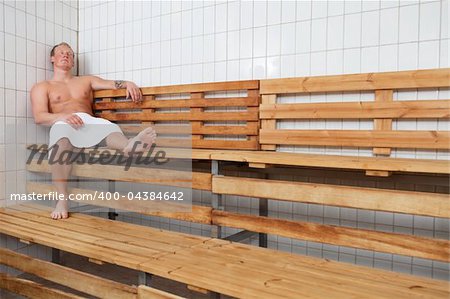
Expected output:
(72, 119)
(134, 92)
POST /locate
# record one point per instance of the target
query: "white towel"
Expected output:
(92, 133)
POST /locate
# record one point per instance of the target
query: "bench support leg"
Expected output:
(112, 188)
(56, 256)
(214, 295)
(263, 211)
(144, 278)
(216, 201)
(112, 214)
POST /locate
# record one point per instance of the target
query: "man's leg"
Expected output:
(118, 141)
(60, 175)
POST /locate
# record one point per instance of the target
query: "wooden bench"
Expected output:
(76, 280)
(226, 267)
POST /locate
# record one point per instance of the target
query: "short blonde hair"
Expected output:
(52, 52)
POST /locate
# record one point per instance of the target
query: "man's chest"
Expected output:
(61, 92)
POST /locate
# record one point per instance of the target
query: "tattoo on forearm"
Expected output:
(119, 83)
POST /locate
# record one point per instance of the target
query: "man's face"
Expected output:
(63, 57)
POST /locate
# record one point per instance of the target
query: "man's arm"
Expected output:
(133, 91)
(39, 106)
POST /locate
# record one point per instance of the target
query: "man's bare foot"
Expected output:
(61, 210)
(145, 139)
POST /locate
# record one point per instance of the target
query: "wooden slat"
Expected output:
(186, 88)
(268, 124)
(167, 177)
(225, 144)
(251, 128)
(145, 292)
(207, 143)
(385, 124)
(160, 129)
(181, 116)
(358, 110)
(175, 153)
(71, 278)
(416, 203)
(335, 161)
(342, 236)
(183, 212)
(431, 78)
(182, 103)
(311, 160)
(362, 138)
(30, 289)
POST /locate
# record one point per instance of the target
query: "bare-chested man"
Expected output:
(65, 98)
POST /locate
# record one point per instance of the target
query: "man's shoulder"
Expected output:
(86, 77)
(41, 85)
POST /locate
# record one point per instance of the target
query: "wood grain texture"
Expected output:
(342, 236)
(385, 124)
(182, 103)
(180, 116)
(80, 281)
(184, 212)
(251, 272)
(168, 177)
(31, 289)
(358, 110)
(358, 138)
(185, 88)
(416, 203)
(145, 292)
(268, 124)
(431, 78)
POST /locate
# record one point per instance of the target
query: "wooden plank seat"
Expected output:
(75, 280)
(244, 271)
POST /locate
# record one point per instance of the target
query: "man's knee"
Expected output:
(64, 144)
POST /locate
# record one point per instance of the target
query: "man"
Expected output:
(67, 100)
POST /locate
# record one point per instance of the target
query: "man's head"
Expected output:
(62, 56)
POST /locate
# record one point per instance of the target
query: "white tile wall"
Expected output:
(28, 30)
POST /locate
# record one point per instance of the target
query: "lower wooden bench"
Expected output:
(75, 280)
(206, 263)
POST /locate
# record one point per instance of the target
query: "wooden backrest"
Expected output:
(196, 114)
(382, 110)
